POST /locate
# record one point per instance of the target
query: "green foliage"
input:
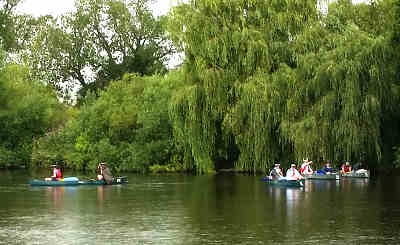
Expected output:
(28, 110)
(8, 26)
(277, 81)
(99, 42)
(226, 44)
(169, 168)
(127, 126)
(262, 81)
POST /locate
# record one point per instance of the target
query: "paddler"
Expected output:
(56, 173)
(100, 169)
(346, 168)
(104, 173)
(292, 173)
(276, 172)
(305, 168)
(327, 169)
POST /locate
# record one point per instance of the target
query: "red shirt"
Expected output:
(346, 168)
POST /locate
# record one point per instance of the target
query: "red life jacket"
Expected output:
(346, 168)
(303, 168)
(59, 174)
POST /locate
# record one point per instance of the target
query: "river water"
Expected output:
(185, 209)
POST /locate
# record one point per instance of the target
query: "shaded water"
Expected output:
(180, 209)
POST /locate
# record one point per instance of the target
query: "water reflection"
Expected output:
(287, 202)
(100, 195)
(294, 201)
(56, 196)
(322, 185)
(354, 184)
(231, 209)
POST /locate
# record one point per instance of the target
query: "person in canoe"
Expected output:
(104, 173)
(346, 168)
(305, 168)
(276, 172)
(292, 173)
(56, 173)
(327, 169)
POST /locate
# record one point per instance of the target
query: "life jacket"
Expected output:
(305, 168)
(58, 173)
(346, 168)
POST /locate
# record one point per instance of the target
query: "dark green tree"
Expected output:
(28, 110)
(127, 126)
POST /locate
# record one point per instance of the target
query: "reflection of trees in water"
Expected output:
(353, 184)
(324, 185)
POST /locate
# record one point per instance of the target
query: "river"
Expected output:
(186, 209)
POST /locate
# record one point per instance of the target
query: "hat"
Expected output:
(103, 163)
(293, 165)
(277, 164)
(347, 163)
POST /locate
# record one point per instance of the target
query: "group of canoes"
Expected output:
(104, 177)
(296, 178)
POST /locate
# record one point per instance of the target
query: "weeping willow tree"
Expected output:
(344, 89)
(226, 43)
(276, 80)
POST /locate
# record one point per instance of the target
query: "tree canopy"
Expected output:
(278, 80)
(262, 81)
(28, 110)
(99, 42)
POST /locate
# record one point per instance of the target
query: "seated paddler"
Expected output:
(292, 173)
(56, 173)
(327, 169)
(100, 169)
(346, 168)
(104, 173)
(305, 168)
(276, 172)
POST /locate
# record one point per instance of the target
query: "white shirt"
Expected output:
(292, 173)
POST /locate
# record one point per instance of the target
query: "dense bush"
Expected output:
(28, 109)
(128, 127)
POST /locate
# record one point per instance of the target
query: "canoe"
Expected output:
(284, 182)
(36, 182)
(333, 176)
(117, 181)
(355, 175)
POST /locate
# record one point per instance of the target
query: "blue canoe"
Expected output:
(70, 181)
(73, 181)
(284, 182)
